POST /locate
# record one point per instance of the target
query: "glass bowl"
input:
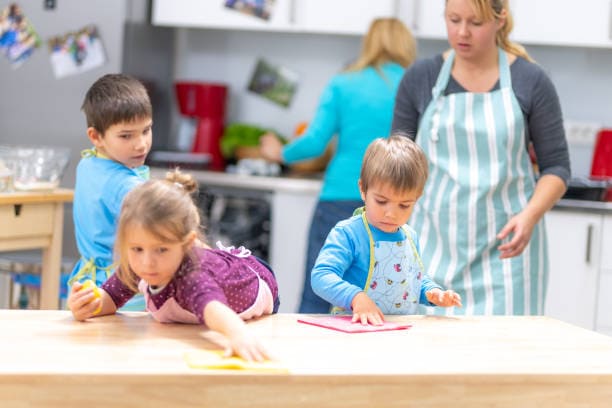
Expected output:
(34, 168)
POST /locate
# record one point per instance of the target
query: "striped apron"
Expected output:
(480, 176)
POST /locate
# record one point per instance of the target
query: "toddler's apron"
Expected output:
(394, 275)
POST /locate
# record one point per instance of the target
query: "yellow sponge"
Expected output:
(215, 360)
(96, 291)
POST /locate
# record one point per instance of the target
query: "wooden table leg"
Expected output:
(51, 263)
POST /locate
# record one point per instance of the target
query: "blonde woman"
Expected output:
(357, 105)
(474, 110)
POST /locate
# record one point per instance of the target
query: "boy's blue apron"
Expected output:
(480, 176)
(87, 268)
(394, 275)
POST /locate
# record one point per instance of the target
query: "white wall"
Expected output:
(230, 56)
(582, 76)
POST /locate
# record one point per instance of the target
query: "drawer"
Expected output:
(604, 307)
(606, 243)
(26, 220)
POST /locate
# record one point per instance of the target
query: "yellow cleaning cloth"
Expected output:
(215, 360)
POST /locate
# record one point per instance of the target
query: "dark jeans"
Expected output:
(325, 217)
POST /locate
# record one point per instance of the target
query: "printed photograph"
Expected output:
(76, 51)
(257, 8)
(18, 39)
(278, 84)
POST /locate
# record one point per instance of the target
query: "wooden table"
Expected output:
(33, 220)
(128, 360)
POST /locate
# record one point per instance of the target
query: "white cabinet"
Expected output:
(424, 17)
(340, 16)
(315, 16)
(213, 14)
(291, 218)
(574, 246)
(604, 309)
(545, 22)
(563, 22)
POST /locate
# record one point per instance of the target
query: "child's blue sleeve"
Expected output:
(333, 261)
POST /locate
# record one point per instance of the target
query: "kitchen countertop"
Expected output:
(48, 359)
(604, 207)
(290, 184)
(306, 185)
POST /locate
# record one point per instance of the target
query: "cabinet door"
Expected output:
(606, 255)
(424, 17)
(563, 22)
(604, 309)
(213, 14)
(574, 241)
(339, 16)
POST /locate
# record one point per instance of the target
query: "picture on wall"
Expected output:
(257, 8)
(18, 39)
(277, 84)
(76, 51)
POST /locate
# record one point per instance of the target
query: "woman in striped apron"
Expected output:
(474, 111)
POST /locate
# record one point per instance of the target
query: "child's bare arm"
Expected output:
(89, 301)
(243, 343)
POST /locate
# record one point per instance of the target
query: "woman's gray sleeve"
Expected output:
(413, 95)
(545, 123)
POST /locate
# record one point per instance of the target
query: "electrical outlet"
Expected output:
(581, 133)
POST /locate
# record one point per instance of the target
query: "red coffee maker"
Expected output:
(601, 168)
(205, 103)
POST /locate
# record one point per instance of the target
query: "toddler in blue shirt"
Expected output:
(370, 263)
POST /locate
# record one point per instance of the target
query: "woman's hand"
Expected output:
(366, 311)
(82, 302)
(446, 298)
(271, 147)
(520, 227)
(548, 190)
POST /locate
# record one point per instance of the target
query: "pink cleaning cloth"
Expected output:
(344, 324)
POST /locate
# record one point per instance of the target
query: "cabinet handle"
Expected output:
(610, 20)
(291, 11)
(415, 15)
(588, 243)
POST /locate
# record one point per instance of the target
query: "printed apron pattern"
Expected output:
(480, 173)
(395, 274)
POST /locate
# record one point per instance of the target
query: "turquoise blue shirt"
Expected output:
(341, 270)
(358, 107)
(101, 185)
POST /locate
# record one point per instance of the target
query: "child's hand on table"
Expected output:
(246, 345)
(366, 311)
(84, 300)
(445, 298)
